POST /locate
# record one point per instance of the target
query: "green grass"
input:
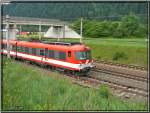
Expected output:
(134, 50)
(32, 88)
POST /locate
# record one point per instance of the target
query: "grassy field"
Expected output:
(29, 88)
(127, 51)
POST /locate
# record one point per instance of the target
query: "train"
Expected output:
(72, 57)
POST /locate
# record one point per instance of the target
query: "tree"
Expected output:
(129, 24)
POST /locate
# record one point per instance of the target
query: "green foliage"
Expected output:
(119, 55)
(128, 26)
(104, 91)
(71, 11)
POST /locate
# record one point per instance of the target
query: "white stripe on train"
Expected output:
(57, 62)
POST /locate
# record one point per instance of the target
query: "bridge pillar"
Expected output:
(12, 32)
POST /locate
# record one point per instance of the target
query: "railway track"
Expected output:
(122, 79)
(121, 74)
(121, 65)
(93, 82)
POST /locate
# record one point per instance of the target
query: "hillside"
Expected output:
(71, 11)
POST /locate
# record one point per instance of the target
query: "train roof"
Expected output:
(52, 45)
(63, 43)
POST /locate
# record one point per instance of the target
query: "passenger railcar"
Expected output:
(74, 57)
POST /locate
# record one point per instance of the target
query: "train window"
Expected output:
(51, 54)
(41, 52)
(14, 47)
(34, 51)
(22, 49)
(56, 53)
(46, 52)
(62, 55)
(26, 50)
(4, 46)
(30, 50)
(18, 48)
(69, 53)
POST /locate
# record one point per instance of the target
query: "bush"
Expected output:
(104, 91)
(119, 55)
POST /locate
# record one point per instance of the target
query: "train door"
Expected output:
(69, 56)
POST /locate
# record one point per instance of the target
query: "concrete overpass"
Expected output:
(10, 23)
(32, 21)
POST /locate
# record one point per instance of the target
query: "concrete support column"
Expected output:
(7, 35)
(12, 31)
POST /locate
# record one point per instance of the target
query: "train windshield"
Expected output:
(83, 55)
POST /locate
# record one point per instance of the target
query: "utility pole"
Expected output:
(81, 27)
(64, 31)
(58, 29)
(40, 30)
(7, 35)
(20, 30)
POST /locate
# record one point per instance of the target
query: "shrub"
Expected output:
(119, 55)
(104, 91)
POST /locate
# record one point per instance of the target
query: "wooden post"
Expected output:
(81, 27)
(7, 35)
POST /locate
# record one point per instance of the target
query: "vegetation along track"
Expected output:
(94, 81)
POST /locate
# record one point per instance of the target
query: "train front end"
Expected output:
(83, 59)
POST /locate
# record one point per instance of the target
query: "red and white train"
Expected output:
(72, 57)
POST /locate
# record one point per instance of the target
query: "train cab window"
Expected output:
(69, 53)
(51, 54)
(62, 55)
(42, 52)
(83, 55)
